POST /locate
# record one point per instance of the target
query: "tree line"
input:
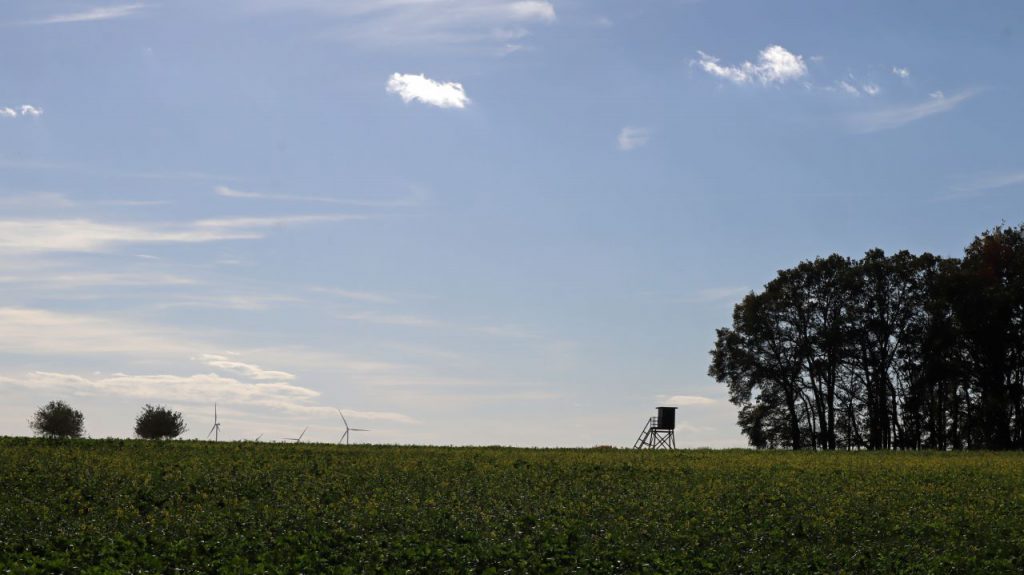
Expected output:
(897, 351)
(58, 420)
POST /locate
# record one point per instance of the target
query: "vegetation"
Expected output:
(158, 422)
(100, 506)
(57, 420)
(885, 352)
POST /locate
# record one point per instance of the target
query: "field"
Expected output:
(99, 506)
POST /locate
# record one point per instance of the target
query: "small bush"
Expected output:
(158, 422)
(57, 419)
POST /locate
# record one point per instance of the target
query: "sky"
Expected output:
(463, 222)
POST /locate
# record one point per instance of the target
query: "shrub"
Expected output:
(57, 419)
(158, 422)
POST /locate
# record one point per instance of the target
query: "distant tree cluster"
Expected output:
(58, 420)
(885, 352)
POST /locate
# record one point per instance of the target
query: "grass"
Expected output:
(100, 506)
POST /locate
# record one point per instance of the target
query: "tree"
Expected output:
(57, 419)
(897, 351)
(158, 422)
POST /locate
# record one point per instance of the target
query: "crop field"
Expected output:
(100, 506)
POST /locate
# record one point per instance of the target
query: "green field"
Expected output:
(92, 506)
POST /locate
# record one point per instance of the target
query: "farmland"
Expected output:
(97, 506)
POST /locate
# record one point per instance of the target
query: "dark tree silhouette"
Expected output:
(158, 422)
(885, 352)
(57, 419)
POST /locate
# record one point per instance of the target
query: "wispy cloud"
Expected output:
(77, 280)
(37, 200)
(248, 370)
(44, 332)
(717, 294)
(83, 235)
(631, 138)
(418, 87)
(416, 321)
(901, 72)
(775, 65)
(890, 118)
(362, 296)
(987, 183)
(91, 15)
(398, 23)
(238, 302)
(687, 400)
(414, 199)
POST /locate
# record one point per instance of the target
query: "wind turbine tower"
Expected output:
(215, 430)
(299, 438)
(345, 436)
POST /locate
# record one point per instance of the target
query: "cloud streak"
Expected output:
(92, 15)
(688, 400)
(83, 235)
(891, 118)
(417, 87)
(400, 23)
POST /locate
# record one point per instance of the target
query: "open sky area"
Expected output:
(512, 222)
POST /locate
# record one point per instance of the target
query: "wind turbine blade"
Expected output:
(211, 431)
(357, 429)
(303, 433)
(343, 420)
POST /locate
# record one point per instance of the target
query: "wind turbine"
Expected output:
(257, 440)
(345, 436)
(299, 438)
(215, 430)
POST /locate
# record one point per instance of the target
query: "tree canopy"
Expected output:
(158, 422)
(897, 351)
(57, 419)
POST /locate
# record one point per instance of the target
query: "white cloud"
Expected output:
(631, 138)
(91, 15)
(82, 235)
(687, 400)
(8, 113)
(401, 23)
(871, 89)
(248, 370)
(775, 65)
(890, 118)
(418, 87)
(28, 110)
(901, 72)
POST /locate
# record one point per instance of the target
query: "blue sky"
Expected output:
(463, 222)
